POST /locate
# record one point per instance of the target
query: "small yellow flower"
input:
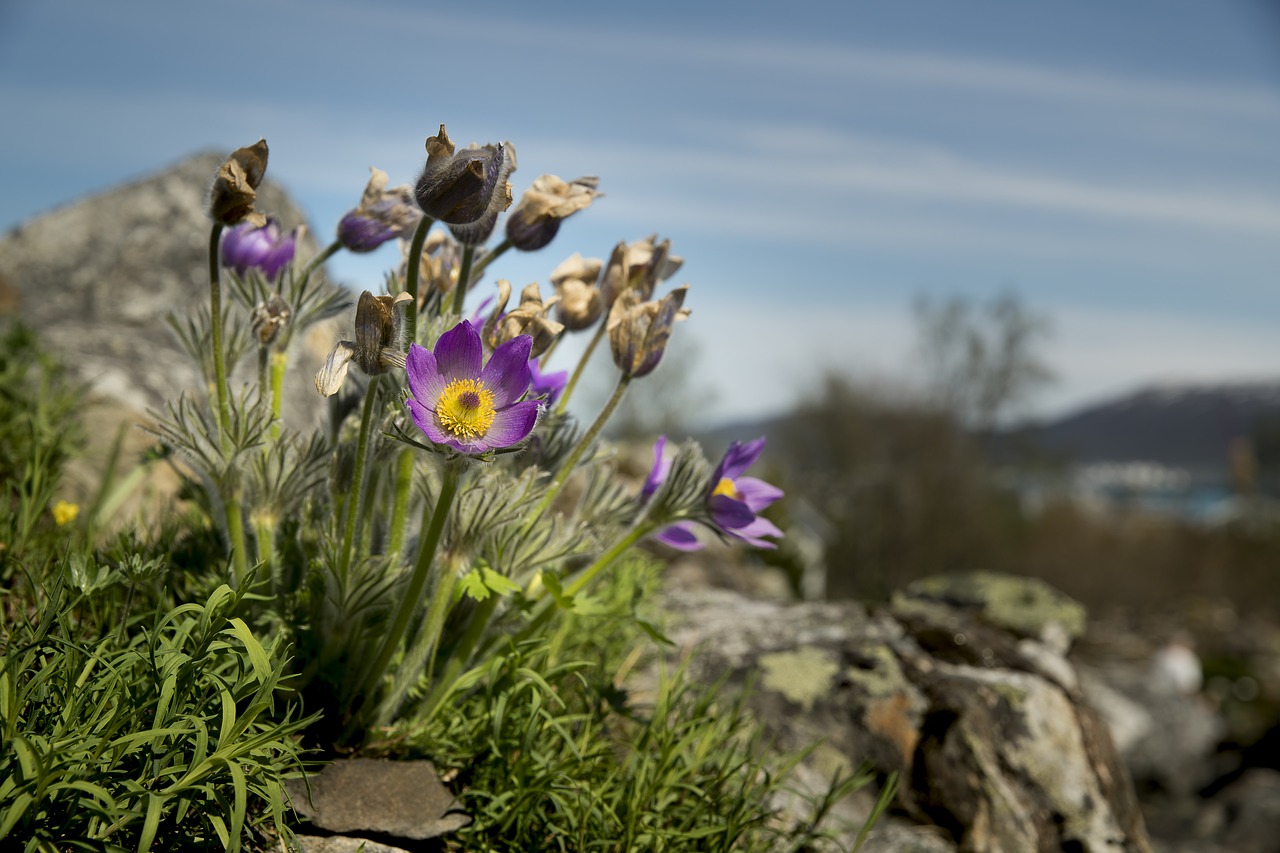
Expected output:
(65, 512)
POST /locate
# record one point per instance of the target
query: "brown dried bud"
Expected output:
(536, 219)
(581, 302)
(269, 318)
(639, 331)
(529, 318)
(460, 188)
(235, 186)
(378, 345)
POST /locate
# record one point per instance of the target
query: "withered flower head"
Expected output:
(379, 344)
(639, 331)
(529, 318)
(581, 302)
(536, 219)
(640, 266)
(382, 214)
(235, 186)
(460, 188)
(440, 264)
(269, 318)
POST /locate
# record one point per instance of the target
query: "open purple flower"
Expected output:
(465, 404)
(548, 386)
(265, 248)
(733, 503)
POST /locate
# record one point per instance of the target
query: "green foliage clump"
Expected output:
(170, 737)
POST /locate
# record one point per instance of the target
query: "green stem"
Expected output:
(566, 467)
(489, 257)
(464, 279)
(356, 495)
(265, 534)
(418, 580)
(460, 655)
(215, 319)
(400, 508)
(412, 276)
(421, 655)
(235, 520)
(577, 371)
(325, 254)
(279, 361)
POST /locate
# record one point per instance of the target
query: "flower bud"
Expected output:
(378, 345)
(529, 318)
(536, 219)
(639, 331)
(268, 318)
(264, 247)
(581, 302)
(460, 188)
(382, 214)
(235, 186)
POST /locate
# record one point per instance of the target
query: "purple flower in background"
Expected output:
(548, 385)
(248, 247)
(460, 402)
(733, 503)
(382, 214)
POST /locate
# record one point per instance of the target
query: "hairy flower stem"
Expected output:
(279, 361)
(231, 501)
(430, 541)
(489, 257)
(464, 279)
(400, 506)
(577, 371)
(325, 254)
(566, 468)
(411, 279)
(264, 533)
(420, 657)
(357, 494)
(443, 686)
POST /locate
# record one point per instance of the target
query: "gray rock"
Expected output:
(399, 798)
(968, 698)
(97, 277)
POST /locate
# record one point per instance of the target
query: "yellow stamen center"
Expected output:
(465, 409)
(728, 488)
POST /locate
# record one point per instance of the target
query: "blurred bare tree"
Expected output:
(981, 359)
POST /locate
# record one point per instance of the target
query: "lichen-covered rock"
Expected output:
(97, 277)
(967, 697)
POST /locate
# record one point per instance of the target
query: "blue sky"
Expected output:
(817, 164)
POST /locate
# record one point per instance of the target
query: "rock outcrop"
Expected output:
(961, 686)
(96, 279)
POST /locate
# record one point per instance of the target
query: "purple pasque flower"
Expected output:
(732, 504)
(548, 386)
(248, 246)
(463, 403)
(382, 214)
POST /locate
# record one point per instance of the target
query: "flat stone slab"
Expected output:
(405, 799)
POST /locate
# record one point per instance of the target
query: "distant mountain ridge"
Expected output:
(1190, 425)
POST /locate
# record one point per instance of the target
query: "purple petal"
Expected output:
(729, 514)
(512, 424)
(658, 473)
(679, 536)
(507, 374)
(757, 494)
(737, 459)
(426, 421)
(425, 381)
(459, 353)
(752, 532)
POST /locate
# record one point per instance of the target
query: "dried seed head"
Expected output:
(460, 187)
(381, 215)
(235, 186)
(536, 219)
(639, 331)
(529, 318)
(269, 318)
(378, 345)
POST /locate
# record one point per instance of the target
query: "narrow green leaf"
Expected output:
(257, 655)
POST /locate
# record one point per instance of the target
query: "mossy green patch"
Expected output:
(803, 676)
